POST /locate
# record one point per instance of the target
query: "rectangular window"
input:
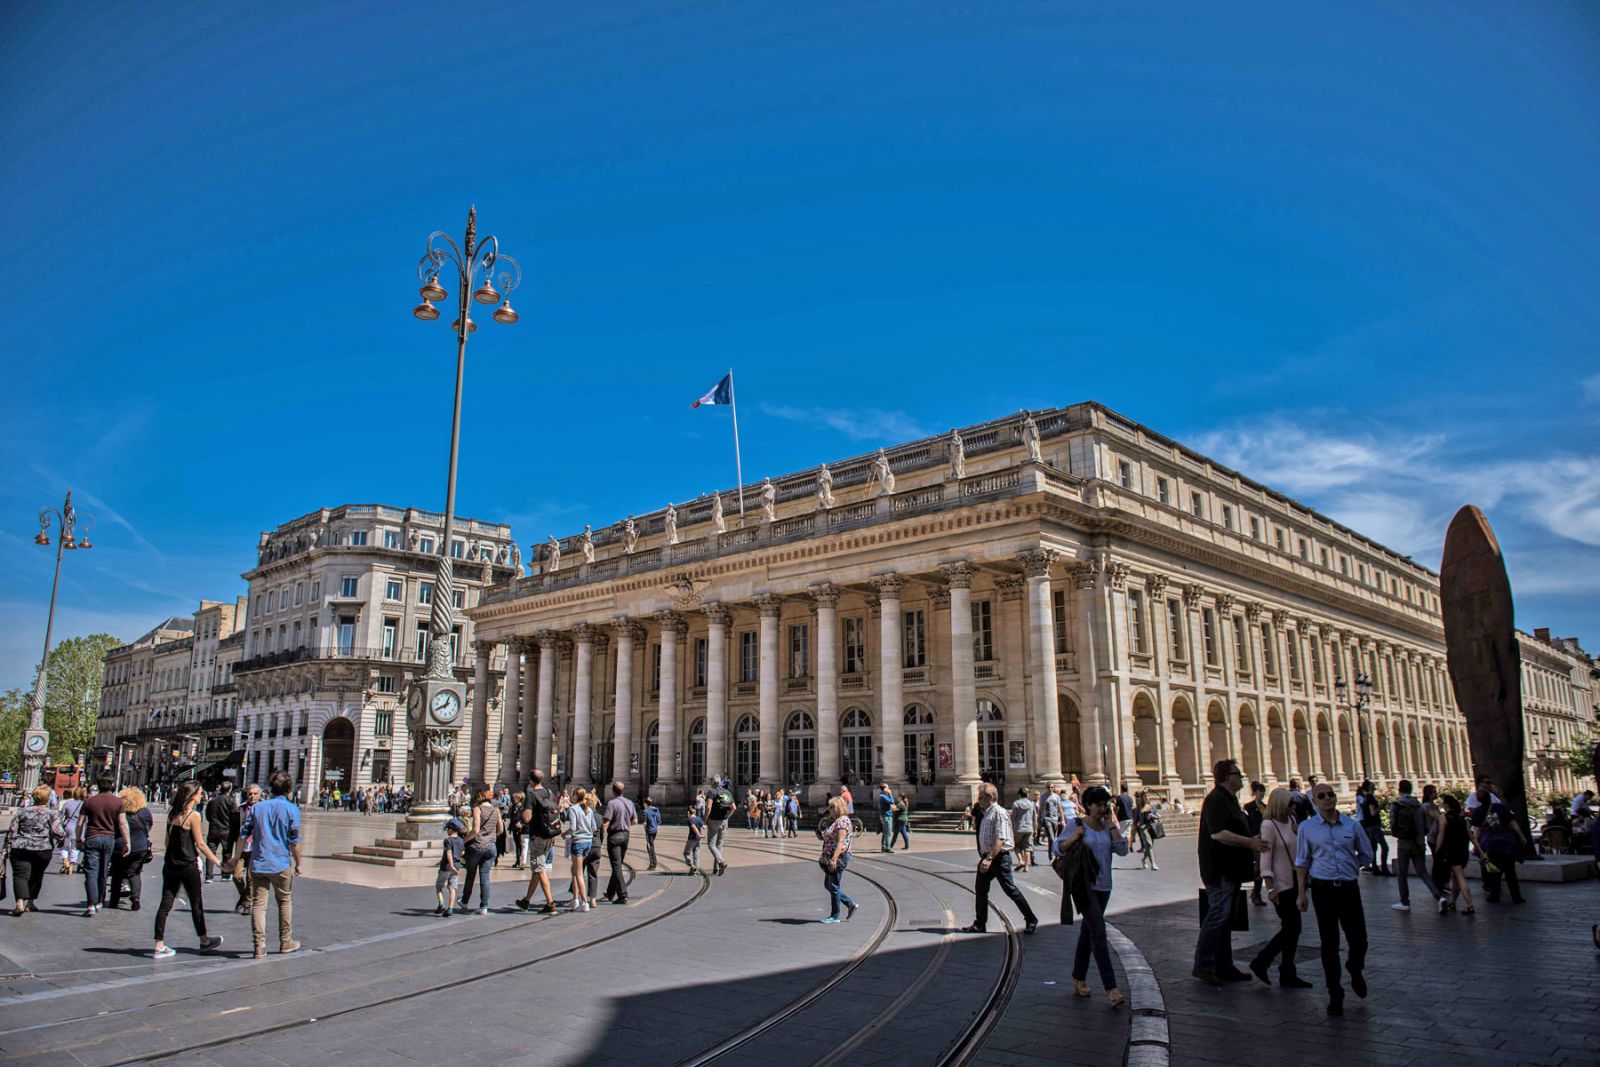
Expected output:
(855, 645)
(391, 539)
(1227, 515)
(424, 593)
(391, 637)
(1316, 661)
(422, 642)
(458, 549)
(702, 656)
(749, 656)
(347, 587)
(800, 651)
(1294, 657)
(1305, 550)
(1269, 661)
(1137, 641)
(383, 720)
(1324, 556)
(455, 644)
(299, 595)
(1255, 528)
(1208, 635)
(655, 667)
(915, 640)
(1277, 539)
(1060, 620)
(358, 537)
(347, 633)
(1197, 505)
(297, 642)
(1162, 491)
(982, 631)
(1175, 642)
(1124, 474)
(425, 545)
(458, 597)
(1241, 646)
(272, 599)
(316, 590)
(393, 589)
(1344, 566)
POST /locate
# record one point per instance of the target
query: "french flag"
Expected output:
(721, 393)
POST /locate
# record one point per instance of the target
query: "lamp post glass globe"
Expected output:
(472, 327)
(504, 314)
(41, 538)
(425, 311)
(486, 294)
(432, 290)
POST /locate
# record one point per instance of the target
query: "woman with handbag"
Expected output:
(36, 833)
(1278, 830)
(1145, 824)
(835, 859)
(481, 851)
(133, 839)
(1097, 830)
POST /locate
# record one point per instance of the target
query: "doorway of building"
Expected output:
(991, 743)
(338, 754)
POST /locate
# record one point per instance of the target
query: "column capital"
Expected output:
(1010, 588)
(1225, 604)
(940, 598)
(958, 575)
(586, 633)
(1193, 592)
(546, 639)
(483, 646)
(1083, 573)
(1117, 574)
(826, 594)
(1156, 584)
(888, 586)
(1253, 611)
(623, 626)
(769, 604)
(717, 614)
(672, 623)
(1036, 561)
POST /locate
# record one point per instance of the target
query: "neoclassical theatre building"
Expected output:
(1052, 594)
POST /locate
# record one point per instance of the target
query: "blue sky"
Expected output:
(1351, 250)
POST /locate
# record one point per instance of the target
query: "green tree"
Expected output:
(1580, 758)
(71, 706)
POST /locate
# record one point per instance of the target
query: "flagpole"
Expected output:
(738, 465)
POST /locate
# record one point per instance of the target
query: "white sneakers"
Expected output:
(1401, 907)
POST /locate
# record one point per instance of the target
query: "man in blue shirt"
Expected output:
(886, 817)
(273, 828)
(651, 817)
(1331, 850)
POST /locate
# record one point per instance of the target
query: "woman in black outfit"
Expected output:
(186, 842)
(134, 847)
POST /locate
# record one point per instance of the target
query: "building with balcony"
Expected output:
(1559, 694)
(339, 606)
(1054, 594)
(133, 688)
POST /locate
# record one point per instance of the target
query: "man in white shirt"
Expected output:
(994, 850)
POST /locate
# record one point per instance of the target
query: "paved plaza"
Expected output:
(737, 969)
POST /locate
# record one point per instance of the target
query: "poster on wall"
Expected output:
(1016, 754)
(947, 756)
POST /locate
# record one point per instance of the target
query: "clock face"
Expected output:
(414, 704)
(446, 706)
(37, 743)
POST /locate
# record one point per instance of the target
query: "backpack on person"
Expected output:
(1403, 822)
(722, 806)
(543, 820)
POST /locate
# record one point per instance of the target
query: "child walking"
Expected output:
(449, 877)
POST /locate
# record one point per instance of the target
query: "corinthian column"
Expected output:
(718, 617)
(509, 705)
(549, 663)
(627, 634)
(477, 731)
(530, 707)
(583, 704)
(769, 606)
(827, 598)
(1046, 706)
(666, 771)
(891, 707)
(963, 685)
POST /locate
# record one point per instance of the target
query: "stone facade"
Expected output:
(339, 607)
(1053, 594)
(1558, 707)
(141, 710)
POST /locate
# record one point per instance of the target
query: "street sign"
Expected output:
(334, 775)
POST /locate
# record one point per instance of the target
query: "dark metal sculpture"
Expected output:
(1485, 667)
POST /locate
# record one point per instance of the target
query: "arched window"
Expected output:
(652, 752)
(855, 736)
(800, 749)
(747, 752)
(697, 752)
(918, 742)
(988, 712)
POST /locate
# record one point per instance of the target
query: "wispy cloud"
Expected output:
(857, 424)
(1401, 489)
(1591, 388)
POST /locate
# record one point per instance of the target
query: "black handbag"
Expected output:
(1238, 917)
(1157, 831)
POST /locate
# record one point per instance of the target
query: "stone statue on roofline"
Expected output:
(825, 487)
(958, 455)
(1030, 439)
(719, 522)
(552, 553)
(769, 501)
(630, 535)
(671, 523)
(882, 476)
(587, 544)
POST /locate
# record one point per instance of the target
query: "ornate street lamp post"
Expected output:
(1358, 704)
(435, 701)
(36, 739)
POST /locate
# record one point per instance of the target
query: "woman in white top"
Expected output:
(581, 823)
(1278, 877)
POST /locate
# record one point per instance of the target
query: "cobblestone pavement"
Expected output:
(740, 963)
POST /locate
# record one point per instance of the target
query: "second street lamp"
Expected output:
(1357, 703)
(36, 739)
(434, 704)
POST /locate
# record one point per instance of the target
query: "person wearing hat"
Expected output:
(449, 877)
